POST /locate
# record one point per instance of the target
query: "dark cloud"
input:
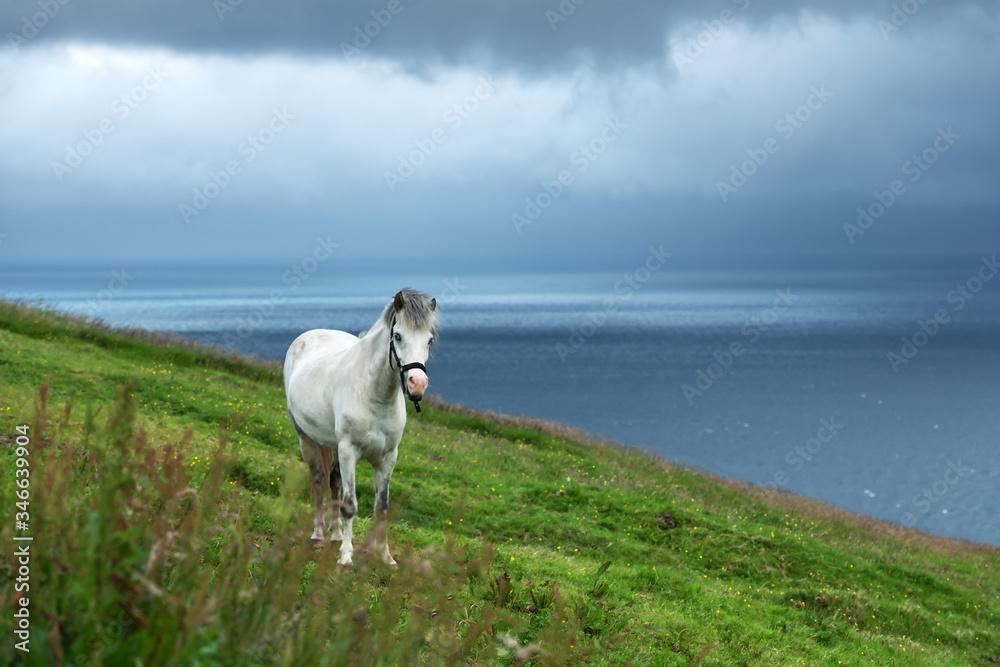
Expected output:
(531, 34)
(688, 131)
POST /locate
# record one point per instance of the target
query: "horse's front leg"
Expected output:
(348, 459)
(383, 473)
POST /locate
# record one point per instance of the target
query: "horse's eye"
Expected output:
(397, 338)
(431, 341)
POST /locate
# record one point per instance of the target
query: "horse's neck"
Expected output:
(383, 381)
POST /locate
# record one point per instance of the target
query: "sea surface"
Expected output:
(772, 377)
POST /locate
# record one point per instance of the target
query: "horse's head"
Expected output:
(413, 323)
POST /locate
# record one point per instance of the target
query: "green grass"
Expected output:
(517, 540)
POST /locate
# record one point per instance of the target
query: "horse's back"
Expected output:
(314, 345)
(308, 364)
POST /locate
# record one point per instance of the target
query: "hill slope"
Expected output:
(170, 521)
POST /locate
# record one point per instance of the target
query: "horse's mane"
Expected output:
(419, 312)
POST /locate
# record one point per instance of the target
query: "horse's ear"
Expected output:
(398, 301)
(434, 304)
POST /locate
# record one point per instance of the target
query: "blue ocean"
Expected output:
(875, 390)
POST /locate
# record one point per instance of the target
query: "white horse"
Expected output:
(346, 399)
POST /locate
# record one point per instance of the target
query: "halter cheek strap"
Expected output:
(402, 369)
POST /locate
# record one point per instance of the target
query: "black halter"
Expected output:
(403, 369)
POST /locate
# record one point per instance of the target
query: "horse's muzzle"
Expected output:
(416, 383)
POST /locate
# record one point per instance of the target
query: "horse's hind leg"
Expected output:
(319, 474)
(382, 475)
(336, 535)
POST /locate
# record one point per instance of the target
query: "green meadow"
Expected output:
(170, 520)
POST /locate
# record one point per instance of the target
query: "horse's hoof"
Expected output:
(345, 560)
(317, 535)
(337, 537)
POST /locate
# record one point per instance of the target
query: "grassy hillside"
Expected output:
(169, 511)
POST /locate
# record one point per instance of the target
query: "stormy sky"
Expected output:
(507, 132)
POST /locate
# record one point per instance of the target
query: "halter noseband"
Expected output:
(403, 369)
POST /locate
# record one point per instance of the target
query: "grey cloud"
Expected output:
(657, 185)
(513, 33)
